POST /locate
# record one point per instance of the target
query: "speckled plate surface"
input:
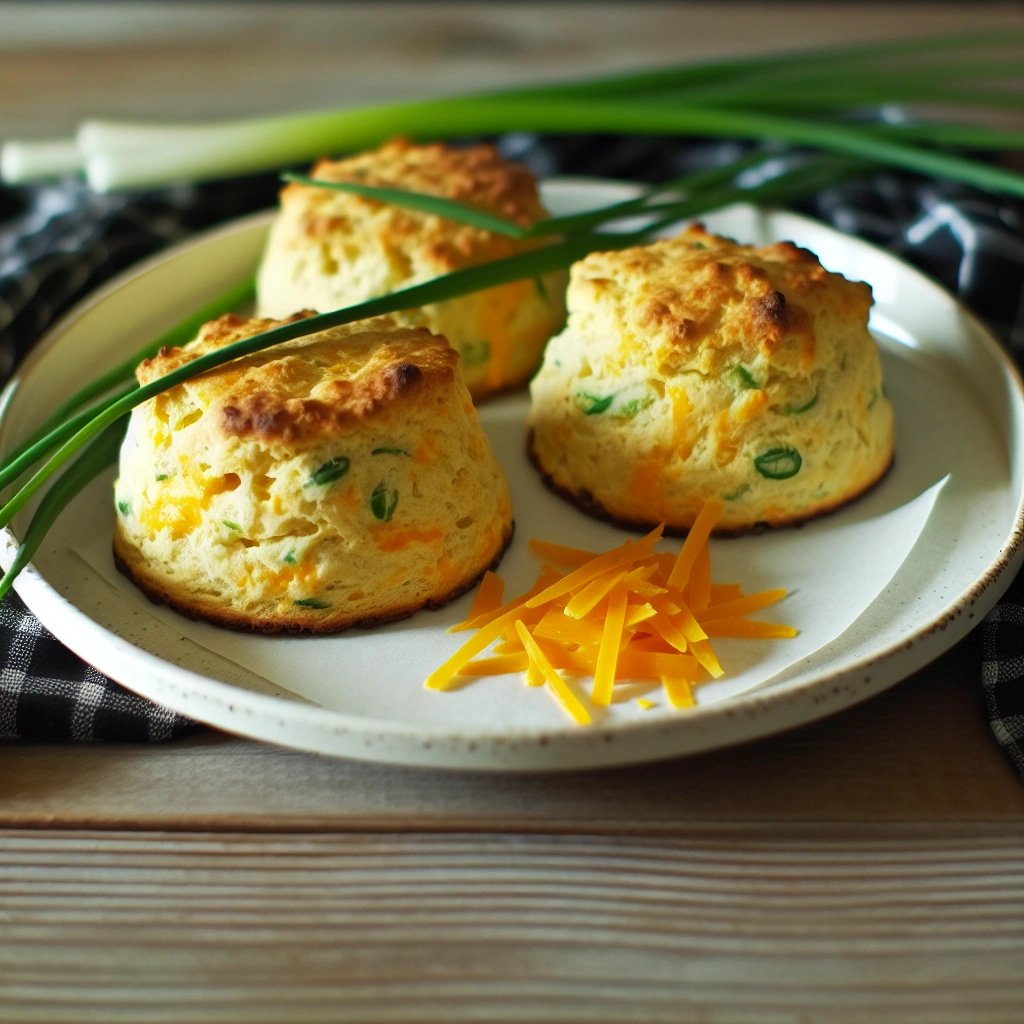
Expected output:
(960, 408)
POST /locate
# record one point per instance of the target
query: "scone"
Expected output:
(337, 480)
(695, 369)
(330, 249)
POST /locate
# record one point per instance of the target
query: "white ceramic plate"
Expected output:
(959, 406)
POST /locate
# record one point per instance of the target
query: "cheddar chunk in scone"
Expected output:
(337, 480)
(695, 369)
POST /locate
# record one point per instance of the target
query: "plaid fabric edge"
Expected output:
(1002, 678)
(47, 692)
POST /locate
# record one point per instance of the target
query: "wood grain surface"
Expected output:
(61, 62)
(760, 924)
(868, 867)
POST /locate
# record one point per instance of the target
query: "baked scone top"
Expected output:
(478, 176)
(705, 303)
(311, 387)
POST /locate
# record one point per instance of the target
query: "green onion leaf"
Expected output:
(390, 451)
(747, 382)
(100, 454)
(126, 155)
(778, 463)
(124, 507)
(629, 409)
(289, 559)
(592, 404)
(25, 454)
(328, 472)
(797, 410)
(232, 526)
(630, 401)
(180, 334)
(312, 602)
(161, 476)
(383, 502)
(689, 185)
(422, 202)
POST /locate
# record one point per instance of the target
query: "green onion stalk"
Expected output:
(181, 333)
(101, 453)
(691, 184)
(96, 425)
(778, 95)
(256, 145)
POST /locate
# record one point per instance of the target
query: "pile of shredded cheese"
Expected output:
(630, 614)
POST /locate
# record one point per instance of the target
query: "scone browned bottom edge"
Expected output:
(269, 626)
(589, 505)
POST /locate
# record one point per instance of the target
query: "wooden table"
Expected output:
(868, 866)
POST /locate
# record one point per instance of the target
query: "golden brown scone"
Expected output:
(338, 480)
(330, 249)
(695, 368)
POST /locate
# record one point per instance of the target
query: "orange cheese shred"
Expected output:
(669, 632)
(637, 613)
(631, 551)
(740, 606)
(681, 618)
(652, 642)
(556, 625)
(611, 642)
(561, 692)
(651, 665)
(700, 582)
(751, 628)
(678, 691)
(573, 558)
(631, 614)
(548, 575)
(442, 677)
(593, 593)
(696, 541)
(496, 666)
(488, 595)
(722, 592)
(534, 677)
(706, 656)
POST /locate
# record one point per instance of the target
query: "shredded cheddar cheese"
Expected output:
(488, 596)
(626, 615)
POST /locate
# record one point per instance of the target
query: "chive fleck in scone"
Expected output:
(695, 368)
(329, 249)
(337, 480)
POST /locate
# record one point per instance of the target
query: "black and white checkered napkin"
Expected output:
(59, 241)
(47, 692)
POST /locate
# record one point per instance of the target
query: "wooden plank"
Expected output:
(62, 63)
(768, 923)
(919, 753)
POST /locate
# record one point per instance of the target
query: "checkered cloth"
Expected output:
(1002, 672)
(46, 691)
(59, 241)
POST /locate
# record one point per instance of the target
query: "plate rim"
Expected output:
(748, 712)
